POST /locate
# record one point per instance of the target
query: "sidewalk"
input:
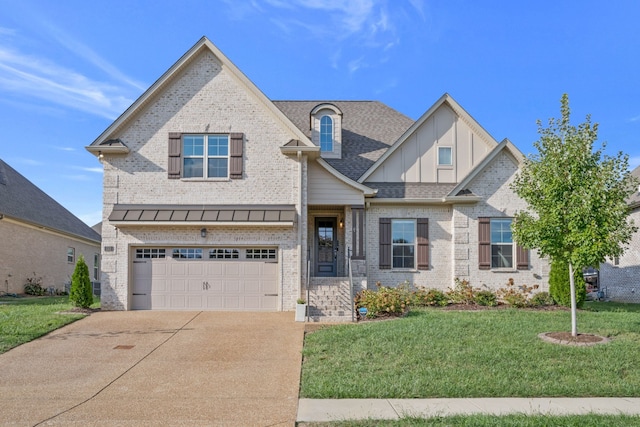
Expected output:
(319, 410)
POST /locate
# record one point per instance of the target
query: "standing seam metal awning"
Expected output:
(284, 214)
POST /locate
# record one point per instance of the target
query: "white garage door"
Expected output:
(242, 279)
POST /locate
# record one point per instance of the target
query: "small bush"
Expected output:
(34, 286)
(384, 301)
(541, 299)
(517, 296)
(486, 298)
(462, 293)
(81, 294)
(430, 297)
(560, 288)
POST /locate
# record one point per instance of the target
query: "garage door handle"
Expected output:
(270, 295)
(138, 294)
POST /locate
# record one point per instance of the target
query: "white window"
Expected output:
(326, 134)
(445, 156)
(96, 267)
(71, 255)
(501, 243)
(205, 156)
(403, 239)
(187, 253)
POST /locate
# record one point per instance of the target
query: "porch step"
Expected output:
(330, 300)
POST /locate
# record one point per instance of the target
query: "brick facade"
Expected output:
(621, 281)
(27, 251)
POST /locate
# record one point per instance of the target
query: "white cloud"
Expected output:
(634, 119)
(86, 169)
(65, 148)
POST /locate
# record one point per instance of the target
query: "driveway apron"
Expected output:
(148, 368)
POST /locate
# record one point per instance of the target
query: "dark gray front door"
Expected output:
(326, 247)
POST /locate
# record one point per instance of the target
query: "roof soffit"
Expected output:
(175, 69)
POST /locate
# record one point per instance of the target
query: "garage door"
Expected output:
(241, 279)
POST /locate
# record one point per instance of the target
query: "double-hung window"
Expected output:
(403, 240)
(501, 243)
(205, 156)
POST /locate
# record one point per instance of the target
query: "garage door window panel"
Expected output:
(187, 253)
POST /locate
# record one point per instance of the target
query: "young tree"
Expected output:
(577, 198)
(81, 294)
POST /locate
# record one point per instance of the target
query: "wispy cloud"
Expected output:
(65, 148)
(40, 76)
(86, 169)
(634, 119)
(29, 162)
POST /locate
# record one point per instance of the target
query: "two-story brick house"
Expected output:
(218, 198)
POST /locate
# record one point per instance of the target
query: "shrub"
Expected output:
(462, 292)
(34, 286)
(486, 298)
(430, 297)
(81, 294)
(384, 301)
(541, 299)
(560, 288)
(517, 296)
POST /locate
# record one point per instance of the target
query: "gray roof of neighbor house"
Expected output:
(21, 200)
(369, 128)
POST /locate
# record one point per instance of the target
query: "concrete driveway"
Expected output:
(148, 368)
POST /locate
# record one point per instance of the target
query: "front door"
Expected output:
(326, 247)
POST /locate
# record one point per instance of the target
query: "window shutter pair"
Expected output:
(422, 234)
(484, 248)
(235, 155)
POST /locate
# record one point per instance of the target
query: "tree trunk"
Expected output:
(572, 287)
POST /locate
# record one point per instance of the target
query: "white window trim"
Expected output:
(205, 157)
(333, 136)
(414, 244)
(451, 152)
(71, 255)
(512, 244)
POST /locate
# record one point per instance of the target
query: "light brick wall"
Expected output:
(622, 282)
(203, 98)
(499, 200)
(439, 275)
(26, 251)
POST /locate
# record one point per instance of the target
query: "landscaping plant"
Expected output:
(559, 286)
(34, 286)
(81, 294)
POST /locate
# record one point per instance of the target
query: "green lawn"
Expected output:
(493, 421)
(25, 319)
(493, 353)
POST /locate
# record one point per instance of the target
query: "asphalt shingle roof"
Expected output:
(369, 128)
(21, 199)
(411, 190)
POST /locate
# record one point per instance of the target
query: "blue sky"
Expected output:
(68, 68)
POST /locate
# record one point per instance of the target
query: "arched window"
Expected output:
(326, 134)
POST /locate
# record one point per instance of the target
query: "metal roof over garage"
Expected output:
(203, 214)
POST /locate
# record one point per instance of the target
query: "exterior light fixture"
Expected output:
(203, 232)
(341, 223)
(100, 156)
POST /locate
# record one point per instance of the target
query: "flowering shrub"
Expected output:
(429, 297)
(462, 292)
(384, 301)
(517, 296)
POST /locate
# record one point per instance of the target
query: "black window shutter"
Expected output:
(175, 149)
(235, 155)
(484, 243)
(385, 244)
(423, 243)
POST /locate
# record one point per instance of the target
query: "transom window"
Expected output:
(146, 253)
(445, 156)
(187, 253)
(224, 253)
(403, 239)
(501, 243)
(205, 156)
(261, 254)
(326, 133)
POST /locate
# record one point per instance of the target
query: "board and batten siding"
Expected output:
(326, 189)
(416, 160)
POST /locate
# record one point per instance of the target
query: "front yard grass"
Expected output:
(25, 319)
(591, 420)
(493, 353)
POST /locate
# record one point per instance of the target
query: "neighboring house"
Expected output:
(39, 238)
(218, 198)
(620, 277)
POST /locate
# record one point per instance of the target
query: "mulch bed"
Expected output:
(565, 338)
